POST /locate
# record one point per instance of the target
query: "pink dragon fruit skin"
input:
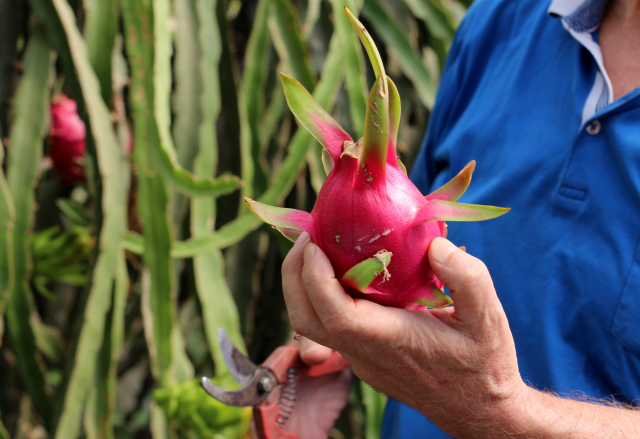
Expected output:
(67, 136)
(373, 224)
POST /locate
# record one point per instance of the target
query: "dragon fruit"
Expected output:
(67, 140)
(373, 224)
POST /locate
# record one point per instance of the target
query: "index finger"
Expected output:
(302, 315)
(341, 315)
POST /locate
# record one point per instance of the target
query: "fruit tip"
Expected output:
(250, 203)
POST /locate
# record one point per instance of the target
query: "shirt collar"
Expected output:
(579, 15)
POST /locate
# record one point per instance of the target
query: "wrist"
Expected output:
(504, 415)
(515, 415)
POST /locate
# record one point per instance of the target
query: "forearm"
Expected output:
(550, 416)
(540, 415)
(535, 415)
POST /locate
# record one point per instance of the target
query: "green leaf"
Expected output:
(310, 20)
(74, 211)
(31, 113)
(189, 406)
(435, 16)
(48, 339)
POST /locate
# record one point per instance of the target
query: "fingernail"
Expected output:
(309, 253)
(302, 239)
(441, 249)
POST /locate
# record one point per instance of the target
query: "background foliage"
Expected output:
(112, 288)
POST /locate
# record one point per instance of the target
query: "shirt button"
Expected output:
(594, 127)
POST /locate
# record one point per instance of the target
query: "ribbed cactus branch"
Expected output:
(158, 283)
(218, 306)
(187, 95)
(251, 100)
(325, 94)
(7, 219)
(29, 126)
(114, 173)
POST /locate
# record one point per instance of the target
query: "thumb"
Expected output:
(466, 277)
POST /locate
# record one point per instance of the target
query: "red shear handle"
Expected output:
(286, 357)
(282, 359)
(264, 418)
(335, 363)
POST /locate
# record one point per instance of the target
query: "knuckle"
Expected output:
(298, 325)
(337, 324)
(310, 277)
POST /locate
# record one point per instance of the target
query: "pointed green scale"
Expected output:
(394, 124)
(376, 135)
(457, 186)
(363, 274)
(313, 117)
(402, 167)
(440, 210)
(327, 161)
(394, 111)
(437, 300)
(369, 46)
(290, 222)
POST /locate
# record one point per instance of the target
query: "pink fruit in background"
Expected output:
(374, 225)
(67, 140)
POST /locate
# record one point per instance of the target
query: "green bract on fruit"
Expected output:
(371, 221)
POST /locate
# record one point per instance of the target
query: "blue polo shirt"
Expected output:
(525, 94)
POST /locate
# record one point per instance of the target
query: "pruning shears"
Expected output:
(280, 371)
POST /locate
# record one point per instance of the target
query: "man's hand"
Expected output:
(457, 365)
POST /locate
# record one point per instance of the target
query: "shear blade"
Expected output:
(240, 367)
(250, 395)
